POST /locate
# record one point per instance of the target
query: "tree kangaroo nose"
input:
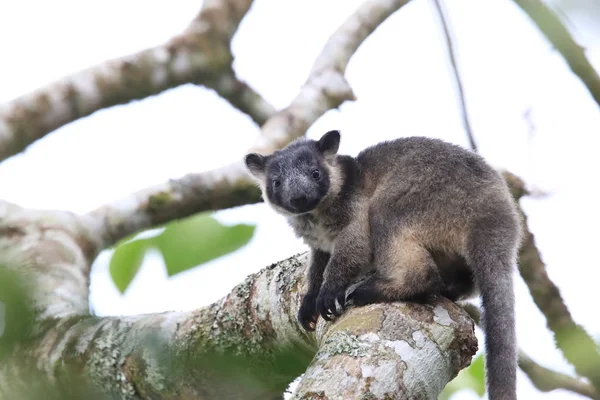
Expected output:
(299, 200)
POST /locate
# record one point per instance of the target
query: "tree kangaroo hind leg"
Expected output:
(404, 270)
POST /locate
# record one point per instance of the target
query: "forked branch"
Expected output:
(201, 55)
(228, 186)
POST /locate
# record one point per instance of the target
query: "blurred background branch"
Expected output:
(543, 378)
(557, 33)
(201, 55)
(444, 20)
(571, 338)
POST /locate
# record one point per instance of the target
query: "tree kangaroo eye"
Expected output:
(316, 174)
(276, 183)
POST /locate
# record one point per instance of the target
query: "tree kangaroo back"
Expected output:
(422, 215)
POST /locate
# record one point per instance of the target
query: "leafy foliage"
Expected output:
(231, 370)
(16, 315)
(126, 261)
(469, 378)
(17, 318)
(183, 244)
(199, 239)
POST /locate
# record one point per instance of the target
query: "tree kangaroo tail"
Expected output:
(492, 253)
(497, 295)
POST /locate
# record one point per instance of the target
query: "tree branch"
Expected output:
(240, 95)
(571, 338)
(575, 343)
(325, 89)
(544, 379)
(354, 358)
(53, 250)
(217, 189)
(558, 34)
(459, 85)
(249, 330)
(201, 54)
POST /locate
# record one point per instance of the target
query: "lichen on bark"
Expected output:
(398, 350)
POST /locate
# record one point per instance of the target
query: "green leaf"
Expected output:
(477, 372)
(469, 378)
(184, 244)
(17, 318)
(198, 239)
(126, 261)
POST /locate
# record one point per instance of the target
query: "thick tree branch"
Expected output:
(571, 338)
(253, 326)
(54, 251)
(201, 55)
(325, 89)
(354, 358)
(544, 379)
(558, 34)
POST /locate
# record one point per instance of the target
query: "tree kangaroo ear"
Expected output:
(329, 143)
(255, 164)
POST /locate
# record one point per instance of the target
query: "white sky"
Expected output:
(404, 87)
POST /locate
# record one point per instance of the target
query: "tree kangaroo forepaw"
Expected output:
(307, 315)
(326, 301)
